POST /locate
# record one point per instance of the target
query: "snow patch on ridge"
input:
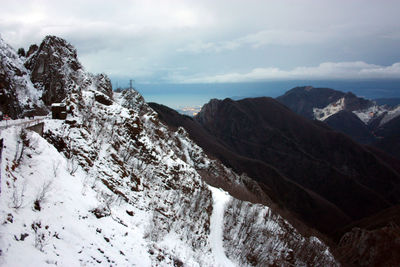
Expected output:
(366, 115)
(333, 108)
(391, 114)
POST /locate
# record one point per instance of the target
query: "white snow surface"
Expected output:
(220, 200)
(64, 232)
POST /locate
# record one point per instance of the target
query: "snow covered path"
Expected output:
(220, 198)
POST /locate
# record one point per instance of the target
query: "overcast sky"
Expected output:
(218, 40)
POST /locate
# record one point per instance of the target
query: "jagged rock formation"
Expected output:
(113, 185)
(49, 72)
(54, 68)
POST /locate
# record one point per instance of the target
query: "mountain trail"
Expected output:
(220, 199)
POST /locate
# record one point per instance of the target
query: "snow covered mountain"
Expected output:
(366, 113)
(365, 121)
(322, 103)
(112, 185)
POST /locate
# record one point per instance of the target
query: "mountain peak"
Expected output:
(51, 41)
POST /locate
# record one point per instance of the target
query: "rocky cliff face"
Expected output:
(113, 185)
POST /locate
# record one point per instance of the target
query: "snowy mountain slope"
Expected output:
(256, 236)
(112, 185)
(63, 232)
(85, 214)
(364, 121)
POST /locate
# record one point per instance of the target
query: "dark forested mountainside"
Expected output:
(348, 123)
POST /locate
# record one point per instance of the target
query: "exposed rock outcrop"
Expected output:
(17, 93)
(55, 68)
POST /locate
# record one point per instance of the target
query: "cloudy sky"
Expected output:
(217, 41)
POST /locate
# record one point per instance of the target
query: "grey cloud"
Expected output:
(152, 38)
(324, 71)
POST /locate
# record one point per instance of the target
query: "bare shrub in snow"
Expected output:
(56, 166)
(41, 195)
(18, 196)
(100, 128)
(127, 152)
(140, 165)
(40, 235)
(104, 209)
(87, 114)
(21, 144)
(72, 165)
